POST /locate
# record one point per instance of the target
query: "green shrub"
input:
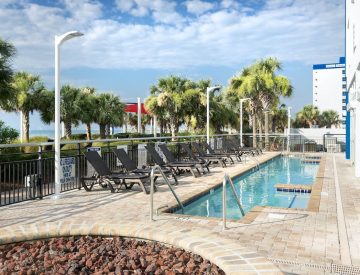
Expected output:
(7, 134)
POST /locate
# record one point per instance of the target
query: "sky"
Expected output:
(129, 44)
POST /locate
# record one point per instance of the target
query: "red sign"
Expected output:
(133, 108)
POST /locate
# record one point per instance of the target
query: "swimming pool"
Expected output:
(258, 188)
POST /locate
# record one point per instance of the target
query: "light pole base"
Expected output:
(56, 196)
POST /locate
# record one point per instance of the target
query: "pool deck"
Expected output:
(323, 239)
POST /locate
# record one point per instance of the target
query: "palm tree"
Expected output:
(70, 107)
(109, 111)
(7, 51)
(169, 102)
(194, 107)
(145, 120)
(152, 106)
(329, 118)
(279, 117)
(88, 105)
(272, 87)
(264, 87)
(308, 116)
(27, 89)
(245, 85)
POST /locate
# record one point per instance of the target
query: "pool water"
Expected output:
(258, 188)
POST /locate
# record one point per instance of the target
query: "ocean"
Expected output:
(51, 133)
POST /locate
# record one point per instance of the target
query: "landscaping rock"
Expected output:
(97, 255)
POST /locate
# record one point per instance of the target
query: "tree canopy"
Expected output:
(7, 51)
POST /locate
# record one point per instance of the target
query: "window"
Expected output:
(344, 93)
(344, 79)
(344, 101)
(343, 71)
(344, 107)
(344, 86)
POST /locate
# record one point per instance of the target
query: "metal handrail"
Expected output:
(257, 163)
(33, 144)
(107, 140)
(225, 180)
(153, 169)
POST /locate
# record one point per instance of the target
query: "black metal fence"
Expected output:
(27, 171)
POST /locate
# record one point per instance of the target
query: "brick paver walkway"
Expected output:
(297, 240)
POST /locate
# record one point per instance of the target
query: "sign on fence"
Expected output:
(90, 169)
(142, 155)
(118, 162)
(212, 143)
(30, 180)
(219, 143)
(161, 154)
(67, 171)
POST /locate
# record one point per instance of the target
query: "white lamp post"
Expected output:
(242, 100)
(155, 126)
(208, 91)
(288, 133)
(138, 115)
(58, 41)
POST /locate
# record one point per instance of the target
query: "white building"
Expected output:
(352, 26)
(329, 87)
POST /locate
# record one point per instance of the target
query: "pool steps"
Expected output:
(293, 188)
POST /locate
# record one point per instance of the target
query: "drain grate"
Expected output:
(311, 265)
(345, 269)
(330, 268)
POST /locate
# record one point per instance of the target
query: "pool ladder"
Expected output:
(257, 163)
(152, 186)
(225, 181)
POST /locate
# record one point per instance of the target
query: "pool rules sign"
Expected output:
(67, 172)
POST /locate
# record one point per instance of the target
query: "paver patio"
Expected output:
(299, 241)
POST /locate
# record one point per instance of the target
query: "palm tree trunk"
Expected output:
(173, 131)
(67, 125)
(107, 130)
(273, 125)
(102, 131)
(25, 126)
(266, 130)
(88, 131)
(260, 131)
(161, 127)
(253, 118)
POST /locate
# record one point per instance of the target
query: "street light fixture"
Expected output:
(208, 91)
(242, 100)
(288, 133)
(58, 41)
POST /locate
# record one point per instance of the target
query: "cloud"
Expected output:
(162, 11)
(83, 10)
(198, 7)
(299, 30)
(229, 4)
(124, 5)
